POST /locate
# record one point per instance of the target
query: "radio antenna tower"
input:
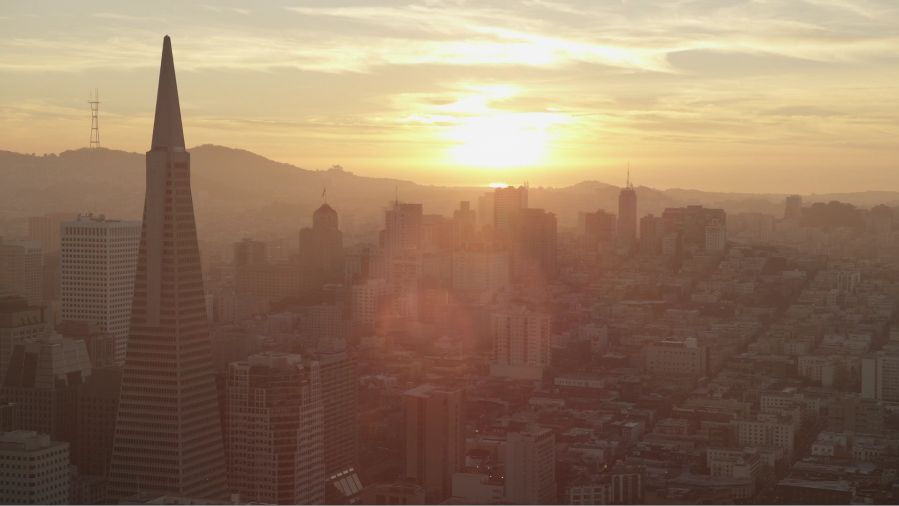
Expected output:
(95, 118)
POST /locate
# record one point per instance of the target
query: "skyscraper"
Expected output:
(339, 404)
(98, 261)
(274, 436)
(627, 215)
(435, 446)
(531, 466)
(18, 321)
(793, 207)
(321, 249)
(508, 202)
(21, 270)
(43, 378)
(535, 244)
(168, 436)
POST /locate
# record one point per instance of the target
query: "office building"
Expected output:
(402, 228)
(651, 234)
(677, 357)
(168, 436)
(435, 443)
(21, 270)
(339, 404)
(274, 430)
(43, 379)
(465, 225)
(33, 469)
(508, 202)
(627, 215)
(98, 401)
(793, 208)
(97, 266)
(598, 228)
(695, 229)
(19, 321)
(480, 270)
(531, 466)
(521, 343)
(880, 376)
(535, 245)
(321, 249)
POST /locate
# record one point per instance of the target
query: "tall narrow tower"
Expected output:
(95, 119)
(168, 436)
(627, 214)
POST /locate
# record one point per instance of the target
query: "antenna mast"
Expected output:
(95, 118)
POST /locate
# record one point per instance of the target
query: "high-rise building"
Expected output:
(321, 249)
(46, 230)
(339, 403)
(256, 276)
(531, 466)
(627, 215)
(19, 321)
(98, 401)
(21, 270)
(98, 263)
(793, 208)
(880, 376)
(535, 245)
(651, 234)
(478, 270)
(695, 228)
(249, 252)
(465, 225)
(33, 469)
(402, 228)
(508, 202)
(486, 203)
(43, 378)
(435, 443)
(521, 343)
(599, 228)
(168, 436)
(274, 421)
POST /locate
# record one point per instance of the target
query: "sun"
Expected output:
(502, 140)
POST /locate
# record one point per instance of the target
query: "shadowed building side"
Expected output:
(168, 436)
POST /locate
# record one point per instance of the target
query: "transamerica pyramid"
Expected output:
(168, 435)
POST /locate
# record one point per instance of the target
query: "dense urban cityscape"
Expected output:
(488, 357)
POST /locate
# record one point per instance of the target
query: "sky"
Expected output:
(725, 95)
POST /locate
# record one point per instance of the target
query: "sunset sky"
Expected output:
(763, 95)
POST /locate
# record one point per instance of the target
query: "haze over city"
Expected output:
(449, 252)
(713, 95)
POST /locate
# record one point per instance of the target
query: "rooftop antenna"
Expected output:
(325, 194)
(396, 189)
(629, 174)
(95, 118)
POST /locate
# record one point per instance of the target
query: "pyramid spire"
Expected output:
(167, 130)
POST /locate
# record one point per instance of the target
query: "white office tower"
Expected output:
(521, 343)
(33, 469)
(274, 437)
(98, 262)
(531, 467)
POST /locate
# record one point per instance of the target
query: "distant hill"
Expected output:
(237, 192)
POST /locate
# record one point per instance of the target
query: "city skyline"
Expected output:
(265, 334)
(721, 96)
